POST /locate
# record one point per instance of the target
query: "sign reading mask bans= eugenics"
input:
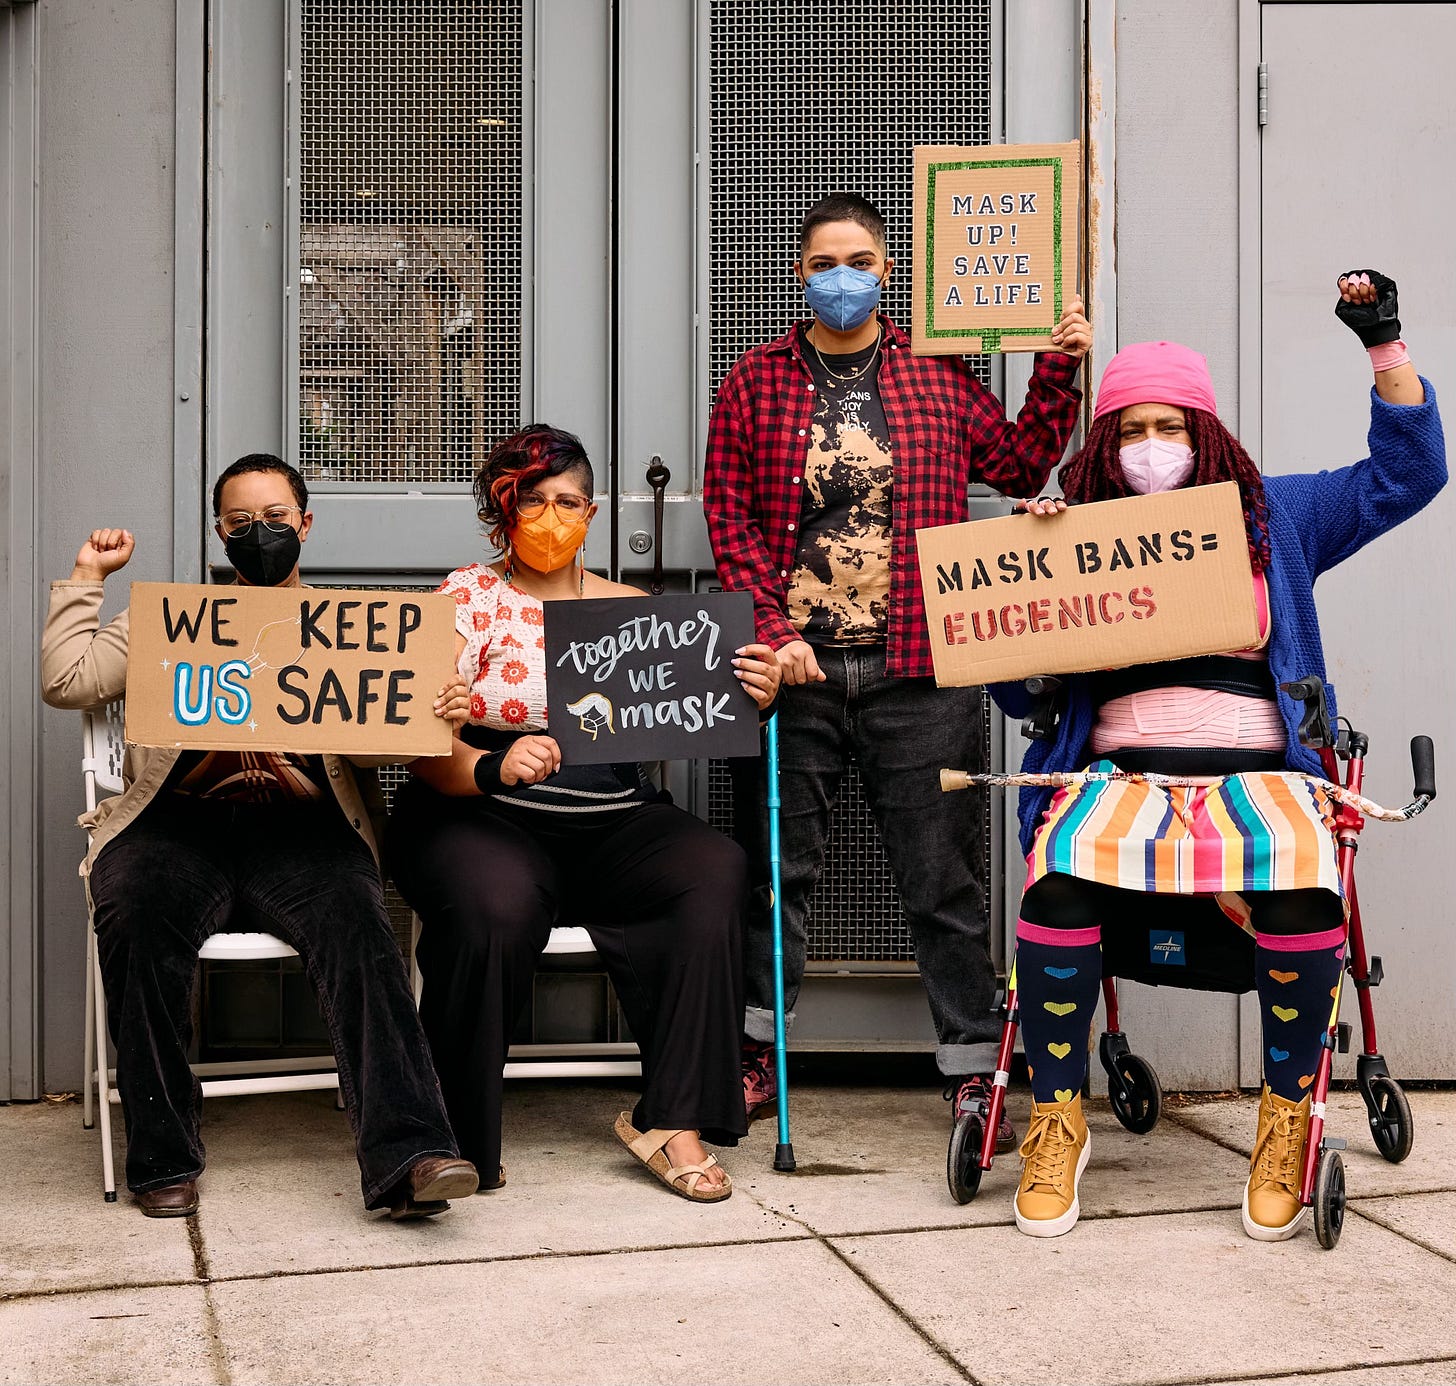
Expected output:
(1100, 586)
(649, 679)
(995, 257)
(288, 669)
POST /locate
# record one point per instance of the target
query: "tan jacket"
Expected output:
(83, 665)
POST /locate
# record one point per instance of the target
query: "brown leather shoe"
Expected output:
(437, 1178)
(170, 1201)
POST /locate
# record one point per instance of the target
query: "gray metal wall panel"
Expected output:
(1177, 268)
(1386, 612)
(1177, 180)
(19, 585)
(106, 361)
(245, 276)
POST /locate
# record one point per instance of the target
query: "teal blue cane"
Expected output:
(784, 1151)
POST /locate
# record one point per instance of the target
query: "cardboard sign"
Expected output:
(288, 669)
(995, 246)
(1102, 586)
(633, 679)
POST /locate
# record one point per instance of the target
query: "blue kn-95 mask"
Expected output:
(842, 297)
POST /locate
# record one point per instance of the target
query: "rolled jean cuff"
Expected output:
(758, 1024)
(961, 1060)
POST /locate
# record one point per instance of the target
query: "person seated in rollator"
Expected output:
(498, 843)
(1252, 836)
(196, 836)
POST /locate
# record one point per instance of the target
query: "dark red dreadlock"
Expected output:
(1095, 473)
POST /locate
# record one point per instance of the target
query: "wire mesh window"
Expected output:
(409, 287)
(817, 97)
(827, 96)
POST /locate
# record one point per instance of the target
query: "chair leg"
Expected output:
(88, 1057)
(103, 1082)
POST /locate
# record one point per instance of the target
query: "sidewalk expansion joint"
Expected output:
(546, 1255)
(868, 1281)
(1356, 1207)
(211, 1324)
(1302, 1373)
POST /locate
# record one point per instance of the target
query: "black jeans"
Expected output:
(901, 733)
(663, 896)
(186, 869)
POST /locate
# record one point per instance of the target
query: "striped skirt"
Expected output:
(1258, 831)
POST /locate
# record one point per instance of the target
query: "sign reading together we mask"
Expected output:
(649, 678)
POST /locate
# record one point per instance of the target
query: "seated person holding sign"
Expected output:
(498, 843)
(1254, 838)
(195, 835)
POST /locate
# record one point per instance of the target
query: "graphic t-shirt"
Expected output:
(839, 590)
(250, 777)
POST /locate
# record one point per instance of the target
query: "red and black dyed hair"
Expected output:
(516, 464)
(1095, 473)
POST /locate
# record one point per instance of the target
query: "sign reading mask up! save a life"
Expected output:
(296, 669)
(995, 235)
(1100, 586)
(649, 678)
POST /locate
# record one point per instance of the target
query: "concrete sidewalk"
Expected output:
(859, 1268)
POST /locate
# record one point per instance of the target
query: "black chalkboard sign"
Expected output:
(649, 678)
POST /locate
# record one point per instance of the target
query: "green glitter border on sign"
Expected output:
(990, 338)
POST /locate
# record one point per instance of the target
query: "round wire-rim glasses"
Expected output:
(237, 523)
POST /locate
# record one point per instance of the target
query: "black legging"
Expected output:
(1059, 901)
(662, 895)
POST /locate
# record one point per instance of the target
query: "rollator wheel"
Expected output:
(1391, 1125)
(963, 1159)
(1139, 1101)
(1329, 1198)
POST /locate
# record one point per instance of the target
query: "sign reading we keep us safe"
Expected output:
(995, 246)
(649, 678)
(1100, 586)
(296, 669)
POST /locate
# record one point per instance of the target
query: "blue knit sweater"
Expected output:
(1316, 520)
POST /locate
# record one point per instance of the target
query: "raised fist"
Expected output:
(106, 551)
(1368, 306)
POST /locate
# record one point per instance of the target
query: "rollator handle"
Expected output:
(1423, 766)
(1314, 727)
(1041, 722)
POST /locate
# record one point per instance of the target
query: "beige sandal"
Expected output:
(683, 1180)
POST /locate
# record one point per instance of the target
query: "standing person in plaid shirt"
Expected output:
(827, 450)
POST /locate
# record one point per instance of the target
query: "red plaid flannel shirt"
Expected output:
(946, 430)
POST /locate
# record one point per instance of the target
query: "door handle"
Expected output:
(657, 478)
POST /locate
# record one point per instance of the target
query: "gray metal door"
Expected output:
(479, 213)
(1355, 174)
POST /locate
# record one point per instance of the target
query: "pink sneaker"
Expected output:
(760, 1081)
(966, 1094)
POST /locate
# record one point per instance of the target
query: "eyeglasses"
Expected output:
(569, 507)
(237, 523)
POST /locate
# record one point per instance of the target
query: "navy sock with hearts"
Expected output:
(1058, 976)
(1296, 976)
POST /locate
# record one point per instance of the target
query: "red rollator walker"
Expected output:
(1133, 1088)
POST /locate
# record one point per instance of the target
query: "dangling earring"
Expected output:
(510, 561)
(581, 578)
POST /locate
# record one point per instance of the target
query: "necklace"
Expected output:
(859, 371)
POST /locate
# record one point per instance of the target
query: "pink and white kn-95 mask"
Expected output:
(1152, 465)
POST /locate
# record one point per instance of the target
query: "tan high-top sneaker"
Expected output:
(1054, 1154)
(1272, 1211)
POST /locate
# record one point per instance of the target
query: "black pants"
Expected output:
(901, 733)
(183, 870)
(663, 897)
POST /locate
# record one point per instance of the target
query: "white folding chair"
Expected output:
(600, 1060)
(103, 749)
